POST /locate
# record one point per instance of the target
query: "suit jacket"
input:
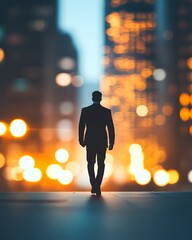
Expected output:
(92, 126)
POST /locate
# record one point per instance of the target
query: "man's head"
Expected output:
(96, 96)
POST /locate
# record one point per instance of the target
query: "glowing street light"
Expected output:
(142, 110)
(53, 171)
(65, 177)
(18, 128)
(26, 162)
(135, 149)
(3, 128)
(173, 176)
(61, 155)
(161, 177)
(32, 175)
(143, 177)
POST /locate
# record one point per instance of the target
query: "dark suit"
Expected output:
(92, 133)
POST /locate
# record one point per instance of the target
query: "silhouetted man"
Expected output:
(92, 134)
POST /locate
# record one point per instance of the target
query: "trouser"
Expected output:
(96, 153)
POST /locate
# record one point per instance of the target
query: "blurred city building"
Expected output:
(39, 81)
(184, 64)
(140, 85)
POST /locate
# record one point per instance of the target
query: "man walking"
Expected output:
(92, 133)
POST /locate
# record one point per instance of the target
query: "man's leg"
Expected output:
(101, 167)
(91, 155)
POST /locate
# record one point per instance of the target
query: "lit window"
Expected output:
(2, 55)
(66, 63)
(190, 130)
(184, 114)
(184, 99)
(159, 74)
(65, 130)
(77, 81)
(189, 62)
(20, 85)
(167, 110)
(142, 110)
(63, 79)
(66, 108)
(2, 160)
(160, 119)
(15, 39)
(39, 25)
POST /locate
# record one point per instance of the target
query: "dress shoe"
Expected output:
(98, 192)
(93, 190)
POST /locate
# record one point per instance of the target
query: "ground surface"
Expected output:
(114, 216)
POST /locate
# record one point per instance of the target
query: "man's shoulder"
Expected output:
(92, 107)
(86, 108)
(106, 109)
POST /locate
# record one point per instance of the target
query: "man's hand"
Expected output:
(110, 147)
(82, 143)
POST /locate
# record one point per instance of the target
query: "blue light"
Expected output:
(2, 34)
(20, 85)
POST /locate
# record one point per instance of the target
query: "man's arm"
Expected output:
(111, 131)
(82, 128)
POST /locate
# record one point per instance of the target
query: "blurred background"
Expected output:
(54, 53)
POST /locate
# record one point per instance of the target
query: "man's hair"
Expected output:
(96, 96)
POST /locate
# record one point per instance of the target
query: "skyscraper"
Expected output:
(38, 69)
(134, 86)
(184, 64)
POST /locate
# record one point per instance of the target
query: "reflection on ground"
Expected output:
(78, 215)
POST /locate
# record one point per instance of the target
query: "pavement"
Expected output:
(78, 215)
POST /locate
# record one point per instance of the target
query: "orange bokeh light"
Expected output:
(2, 55)
(173, 176)
(189, 62)
(3, 128)
(18, 128)
(184, 114)
(184, 99)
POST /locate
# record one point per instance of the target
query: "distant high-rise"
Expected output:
(38, 71)
(133, 87)
(184, 64)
